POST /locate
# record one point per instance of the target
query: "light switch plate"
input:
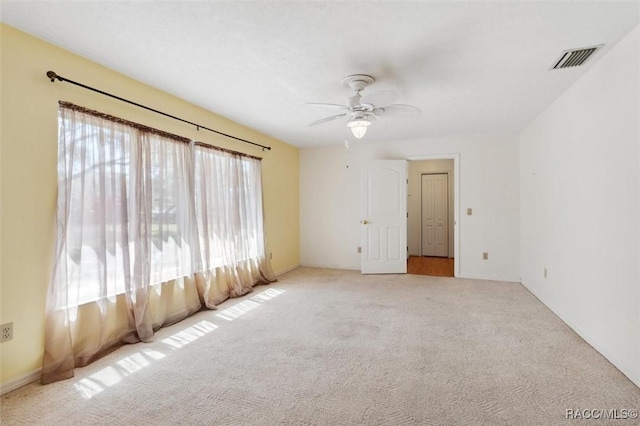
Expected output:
(469, 212)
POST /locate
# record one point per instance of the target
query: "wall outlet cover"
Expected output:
(7, 332)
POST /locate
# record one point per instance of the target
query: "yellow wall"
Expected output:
(28, 160)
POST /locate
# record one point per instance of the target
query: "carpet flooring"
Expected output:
(331, 347)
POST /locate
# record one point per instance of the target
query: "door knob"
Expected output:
(365, 222)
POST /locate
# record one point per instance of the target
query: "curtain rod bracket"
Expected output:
(53, 76)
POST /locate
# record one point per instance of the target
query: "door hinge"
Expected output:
(407, 214)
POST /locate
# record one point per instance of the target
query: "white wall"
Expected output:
(489, 182)
(580, 191)
(414, 201)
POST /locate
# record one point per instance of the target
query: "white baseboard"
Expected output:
(515, 280)
(346, 268)
(289, 269)
(18, 382)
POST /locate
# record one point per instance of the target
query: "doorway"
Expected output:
(439, 255)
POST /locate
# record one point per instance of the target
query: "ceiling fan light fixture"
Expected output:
(358, 127)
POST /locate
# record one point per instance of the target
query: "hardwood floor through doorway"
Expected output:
(435, 266)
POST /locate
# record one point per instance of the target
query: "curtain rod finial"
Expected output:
(52, 76)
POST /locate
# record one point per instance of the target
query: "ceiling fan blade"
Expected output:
(379, 99)
(332, 106)
(397, 111)
(326, 120)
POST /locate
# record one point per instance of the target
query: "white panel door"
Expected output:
(383, 222)
(435, 215)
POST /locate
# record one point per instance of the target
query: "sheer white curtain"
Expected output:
(148, 227)
(228, 198)
(93, 262)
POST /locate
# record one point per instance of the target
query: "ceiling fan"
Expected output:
(363, 110)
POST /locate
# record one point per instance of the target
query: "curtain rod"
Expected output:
(53, 77)
(148, 129)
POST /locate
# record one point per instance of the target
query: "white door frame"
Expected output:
(456, 201)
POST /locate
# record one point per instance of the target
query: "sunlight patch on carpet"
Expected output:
(190, 334)
(113, 374)
(238, 310)
(242, 308)
(267, 295)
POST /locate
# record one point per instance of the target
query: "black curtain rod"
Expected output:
(53, 77)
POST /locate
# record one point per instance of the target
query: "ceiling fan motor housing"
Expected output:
(358, 115)
(358, 82)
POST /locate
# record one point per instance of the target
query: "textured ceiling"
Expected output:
(471, 67)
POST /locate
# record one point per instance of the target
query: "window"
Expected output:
(143, 206)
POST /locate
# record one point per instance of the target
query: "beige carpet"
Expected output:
(329, 347)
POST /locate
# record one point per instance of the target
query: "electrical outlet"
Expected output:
(469, 212)
(7, 332)
(485, 256)
(359, 249)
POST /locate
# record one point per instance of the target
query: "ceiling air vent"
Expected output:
(574, 57)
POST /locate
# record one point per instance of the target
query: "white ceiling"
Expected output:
(478, 67)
